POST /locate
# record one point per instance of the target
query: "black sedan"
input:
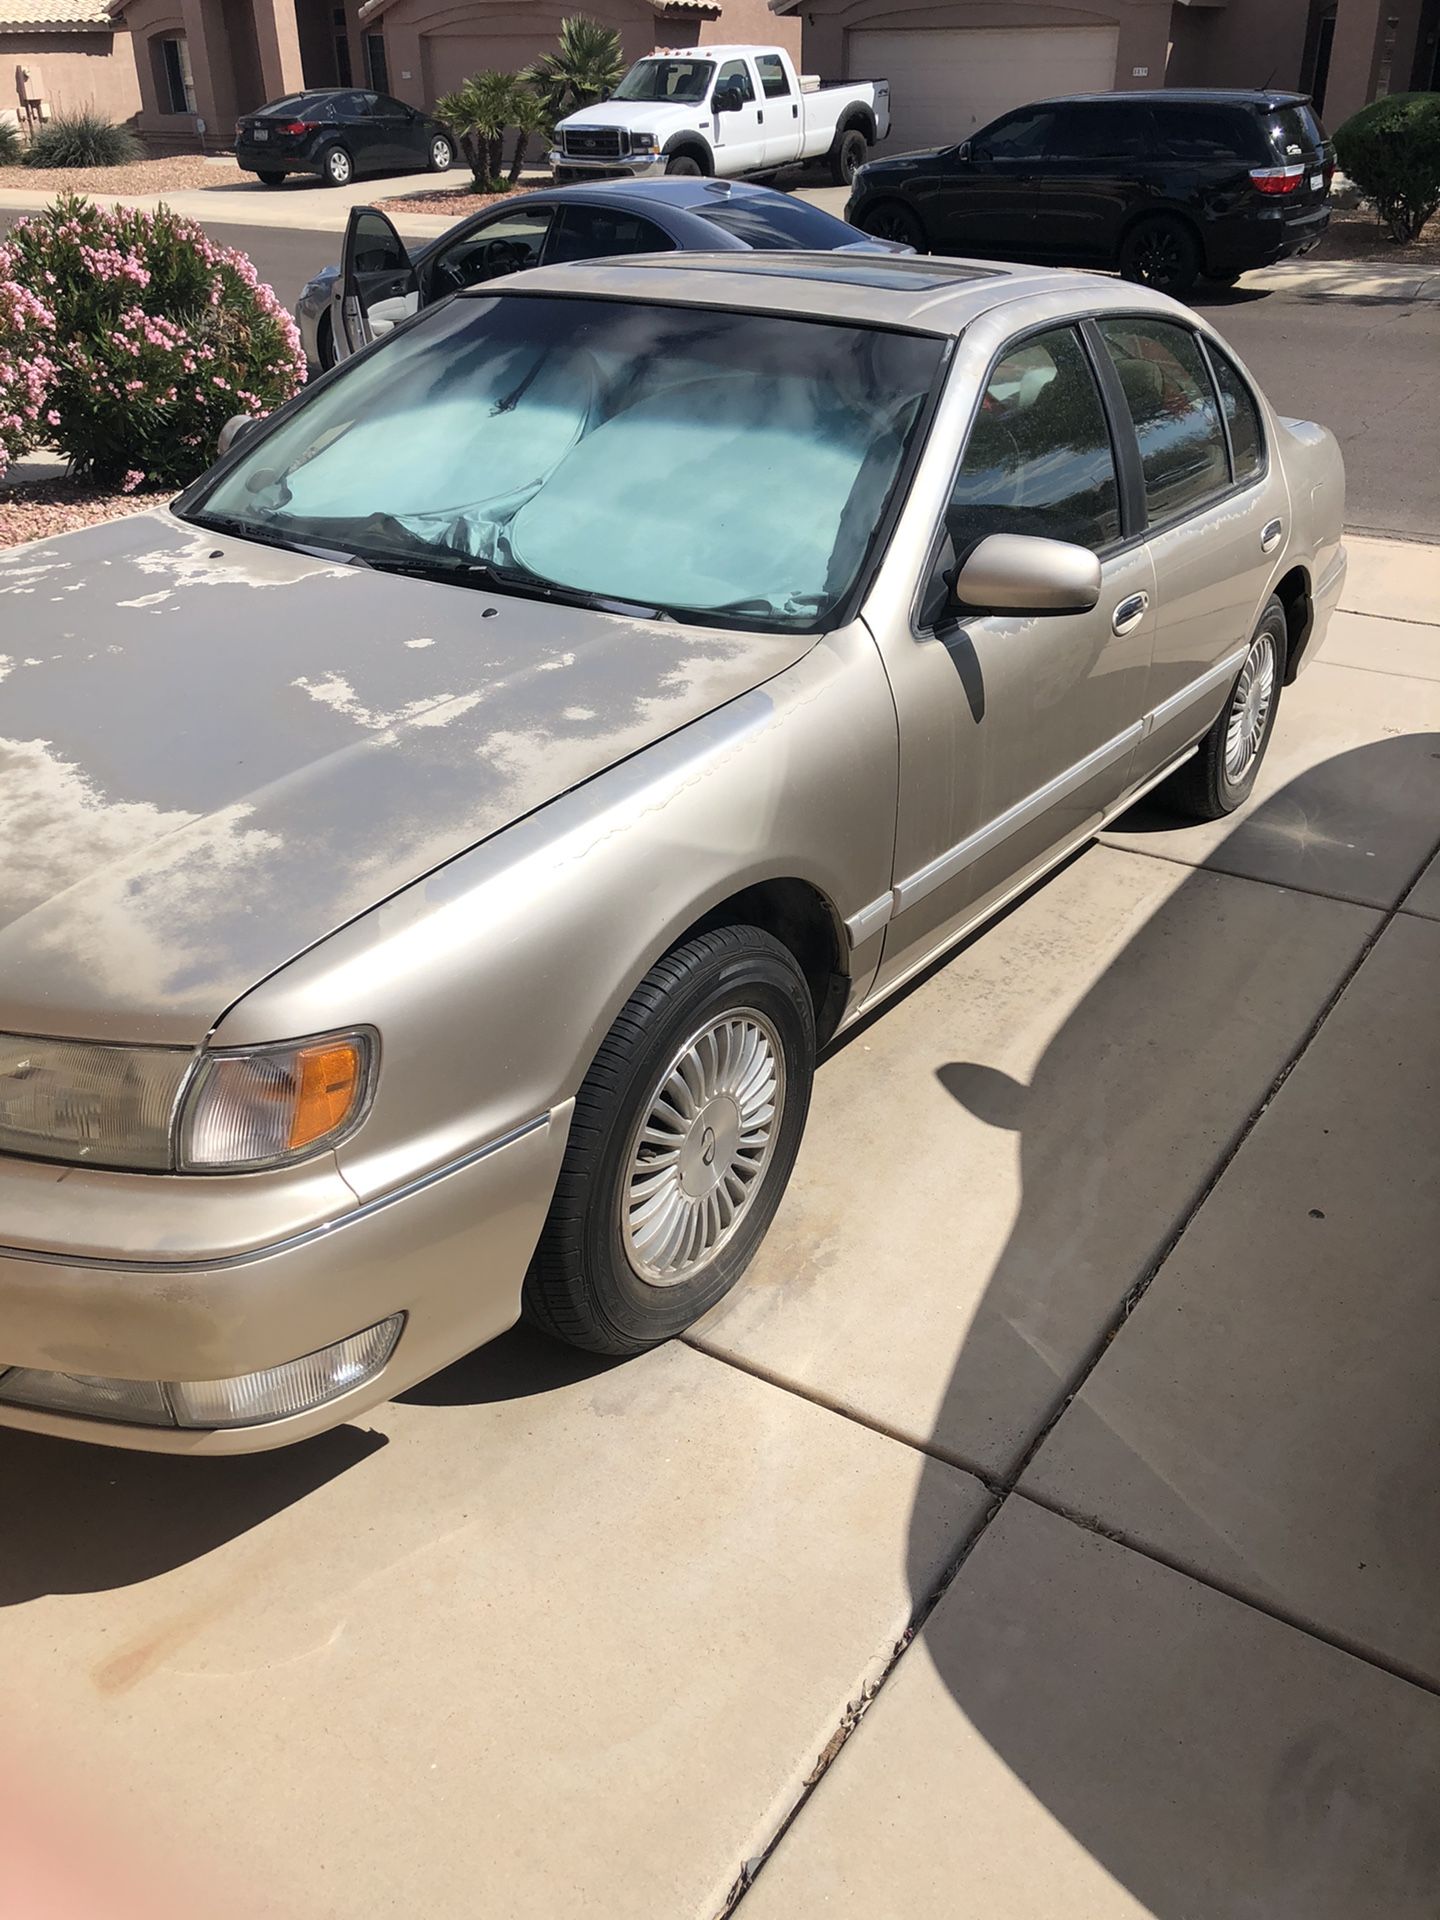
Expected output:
(678, 214)
(336, 132)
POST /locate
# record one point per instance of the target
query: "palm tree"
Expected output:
(478, 114)
(585, 67)
(527, 116)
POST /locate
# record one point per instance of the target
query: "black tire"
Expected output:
(1206, 788)
(584, 1286)
(848, 155)
(337, 169)
(1161, 252)
(435, 162)
(271, 179)
(893, 220)
(1225, 279)
(684, 164)
(325, 342)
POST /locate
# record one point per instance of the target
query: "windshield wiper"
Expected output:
(453, 568)
(263, 535)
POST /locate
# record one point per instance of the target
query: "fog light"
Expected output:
(247, 1400)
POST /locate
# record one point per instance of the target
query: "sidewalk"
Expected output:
(1046, 1530)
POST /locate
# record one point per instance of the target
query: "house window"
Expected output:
(376, 71)
(177, 87)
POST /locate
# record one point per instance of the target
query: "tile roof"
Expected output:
(54, 16)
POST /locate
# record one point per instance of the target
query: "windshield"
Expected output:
(700, 462)
(666, 80)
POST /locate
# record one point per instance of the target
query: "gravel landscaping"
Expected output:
(174, 174)
(454, 201)
(1355, 233)
(39, 509)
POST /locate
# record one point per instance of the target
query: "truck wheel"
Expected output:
(683, 1138)
(892, 220)
(847, 156)
(684, 164)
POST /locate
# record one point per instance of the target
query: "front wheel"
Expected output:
(442, 154)
(1222, 773)
(847, 156)
(685, 165)
(1161, 252)
(336, 169)
(891, 220)
(681, 1145)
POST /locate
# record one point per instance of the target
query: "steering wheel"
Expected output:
(503, 256)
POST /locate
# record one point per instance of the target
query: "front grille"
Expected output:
(595, 143)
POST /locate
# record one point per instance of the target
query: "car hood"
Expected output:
(646, 115)
(213, 753)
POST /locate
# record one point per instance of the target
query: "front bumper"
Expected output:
(449, 1252)
(635, 166)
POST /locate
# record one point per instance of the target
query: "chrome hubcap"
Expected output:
(440, 153)
(1250, 709)
(697, 1158)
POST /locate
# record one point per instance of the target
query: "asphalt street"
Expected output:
(1367, 368)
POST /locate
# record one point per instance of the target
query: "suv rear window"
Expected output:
(1294, 132)
(1193, 131)
(780, 228)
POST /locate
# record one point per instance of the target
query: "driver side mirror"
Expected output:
(235, 428)
(1018, 573)
(726, 100)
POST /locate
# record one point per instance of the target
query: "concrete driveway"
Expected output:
(1080, 1414)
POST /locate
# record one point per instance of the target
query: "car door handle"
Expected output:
(794, 113)
(759, 116)
(1270, 536)
(1130, 612)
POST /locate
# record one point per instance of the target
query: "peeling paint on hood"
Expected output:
(213, 753)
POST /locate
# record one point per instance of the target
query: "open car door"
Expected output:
(379, 286)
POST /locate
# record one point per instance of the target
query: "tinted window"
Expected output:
(1242, 416)
(773, 78)
(1020, 137)
(736, 74)
(1206, 133)
(353, 106)
(1294, 133)
(1171, 401)
(775, 223)
(1099, 133)
(1038, 459)
(590, 233)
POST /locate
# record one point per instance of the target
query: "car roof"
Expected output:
(1187, 96)
(675, 190)
(915, 292)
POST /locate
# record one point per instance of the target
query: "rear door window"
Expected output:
(773, 77)
(1172, 404)
(1242, 416)
(594, 233)
(1101, 132)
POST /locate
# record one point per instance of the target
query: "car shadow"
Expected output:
(1115, 1705)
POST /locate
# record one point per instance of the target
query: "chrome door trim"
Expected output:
(1196, 689)
(946, 865)
(1022, 883)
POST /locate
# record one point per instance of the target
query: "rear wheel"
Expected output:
(847, 156)
(682, 1141)
(442, 154)
(684, 164)
(1161, 252)
(1221, 775)
(891, 220)
(337, 169)
(271, 179)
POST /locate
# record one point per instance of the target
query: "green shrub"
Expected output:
(83, 139)
(158, 337)
(1391, 150)
(11, 151)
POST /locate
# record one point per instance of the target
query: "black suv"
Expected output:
(337, 132)
(1165, 186)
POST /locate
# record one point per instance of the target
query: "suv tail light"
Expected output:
(1277, 179)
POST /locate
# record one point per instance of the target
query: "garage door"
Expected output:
(947, 82)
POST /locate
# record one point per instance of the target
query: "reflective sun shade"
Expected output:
(266, 1106)
(96, 1105)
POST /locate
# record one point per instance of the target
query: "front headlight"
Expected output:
(159, 1109)
(643, 143)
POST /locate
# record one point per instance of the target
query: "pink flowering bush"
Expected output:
(27, 371)
(156, 336)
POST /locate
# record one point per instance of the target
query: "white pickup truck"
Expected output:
(722, 110)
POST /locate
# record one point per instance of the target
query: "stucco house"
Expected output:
(57, 56)
(952, 64)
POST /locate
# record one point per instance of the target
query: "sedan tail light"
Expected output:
(1277, 179)
(298, 126)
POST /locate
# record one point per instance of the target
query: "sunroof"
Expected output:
(893, 273)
